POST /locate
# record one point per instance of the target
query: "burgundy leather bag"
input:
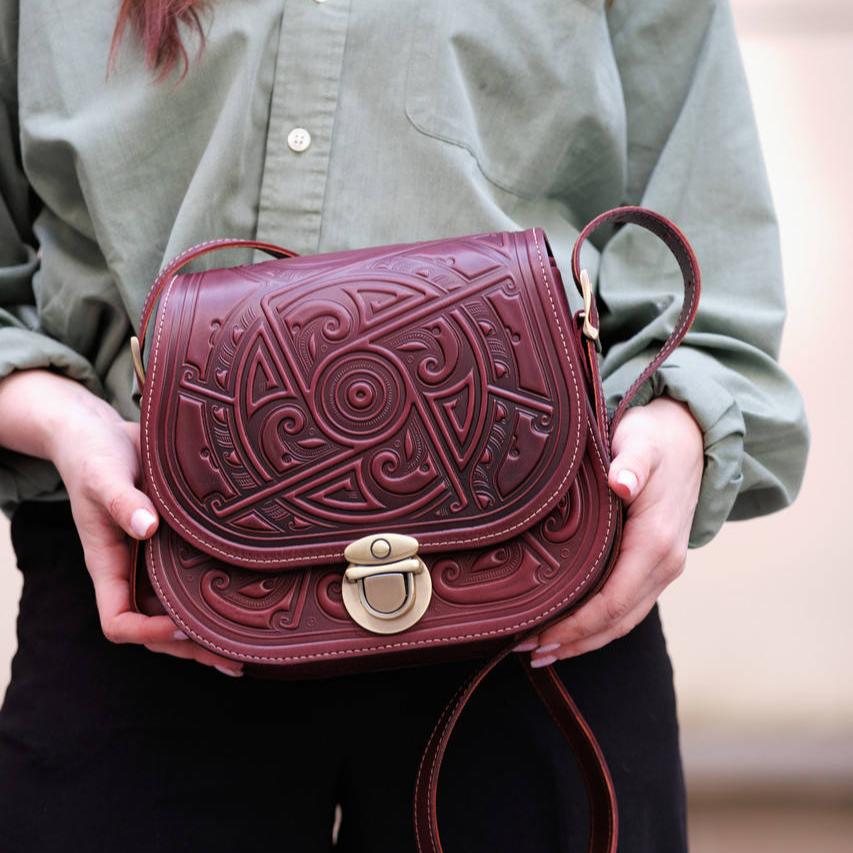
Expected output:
(382, 457)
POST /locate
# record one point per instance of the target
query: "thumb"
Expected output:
(631, 467)
(132, 511)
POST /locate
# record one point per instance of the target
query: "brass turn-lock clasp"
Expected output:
(387, 586)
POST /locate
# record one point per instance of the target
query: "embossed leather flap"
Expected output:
(295, 405)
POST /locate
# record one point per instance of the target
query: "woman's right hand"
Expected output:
(97, 455)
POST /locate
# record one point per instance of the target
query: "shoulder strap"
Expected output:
(180, 261)
(603, 834)
(680, 247)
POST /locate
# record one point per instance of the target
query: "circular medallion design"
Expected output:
(360, 398)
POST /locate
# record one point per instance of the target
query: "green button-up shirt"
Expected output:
(348, 123)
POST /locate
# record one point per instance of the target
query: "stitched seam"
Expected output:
(671, 344)
(454, 702)
(386, 646)
(638, 216)
(232, 558)
(584, 771)
(598, 394)
(595, 749)
(686, 312)
(434, 763)
(178, 260)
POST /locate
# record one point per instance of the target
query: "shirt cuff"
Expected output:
(688, 377)
(25, 477)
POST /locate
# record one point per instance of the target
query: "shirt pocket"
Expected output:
(530, 90)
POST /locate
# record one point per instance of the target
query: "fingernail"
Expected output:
(141, 522)
(225, 670)
(548, 647)
(628, 479)
(543, 661)
(526, 646)
(180, 635)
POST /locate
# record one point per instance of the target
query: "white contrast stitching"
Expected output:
(176, 263)
(453, 704)
(234, 558)
(403, 643)
(686, 309)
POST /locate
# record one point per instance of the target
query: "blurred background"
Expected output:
(759, 626)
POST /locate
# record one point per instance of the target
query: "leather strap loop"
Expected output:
(191, 254)
(603, 812)
(677, 243)
(603, 834)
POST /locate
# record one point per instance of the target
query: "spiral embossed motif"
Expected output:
(423, 391)
(360, 397)
(436, 389)
(433, 391)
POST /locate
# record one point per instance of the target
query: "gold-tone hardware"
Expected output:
(387, 587)
(586, 289)
(386, 593)
(381, 548)
(412, 565)
(136, 356)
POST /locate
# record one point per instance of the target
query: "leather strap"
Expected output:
(603, 834)
(677, 243)
(603, 812)
(197, 251)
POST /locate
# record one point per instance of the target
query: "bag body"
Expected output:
(434, 391)
(384, 456)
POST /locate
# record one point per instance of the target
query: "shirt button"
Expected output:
(298, 139)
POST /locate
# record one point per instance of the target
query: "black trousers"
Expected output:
(114, 749)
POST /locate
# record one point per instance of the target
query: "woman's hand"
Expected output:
(656, 469)
(97, 456)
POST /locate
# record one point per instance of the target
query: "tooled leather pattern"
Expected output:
(432, 388)
(297, 618)
(291, 615)
(184, 258)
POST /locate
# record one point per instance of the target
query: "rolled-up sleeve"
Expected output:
(22, 345)
(694, 155)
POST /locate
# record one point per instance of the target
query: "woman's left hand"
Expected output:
(656, 469)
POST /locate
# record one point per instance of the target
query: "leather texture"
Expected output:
(601, 795)
(434, 389)
(440, 389)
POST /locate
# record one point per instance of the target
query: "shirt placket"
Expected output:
(302, 114)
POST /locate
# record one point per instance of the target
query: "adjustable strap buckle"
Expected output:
(136, 357)
(589, 329)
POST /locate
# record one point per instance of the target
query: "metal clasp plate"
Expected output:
(386, 587)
